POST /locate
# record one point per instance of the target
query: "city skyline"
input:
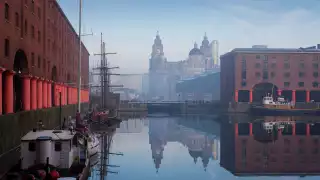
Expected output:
(130, 28)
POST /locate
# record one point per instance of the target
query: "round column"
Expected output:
(26, 92)
(45, 93)
(8, 92)
(33, 96)
(49, 86)
(1, 72)
(39, 94)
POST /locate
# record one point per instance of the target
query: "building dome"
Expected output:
(195, 50)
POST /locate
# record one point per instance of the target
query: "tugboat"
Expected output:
(280, 107)
(54, 154)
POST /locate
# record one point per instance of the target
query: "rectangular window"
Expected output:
(25, 27)
(301, 65)
(257, 56)
(32, 146)
(6, 11)
(258, 65)
(6, 47)
(301, 84)
(32, 6)
(315, 65)
(57, 146)
(17, 19)
(286, 65)
(265, 75)
(286, 84)
(272, 74)
(286, 74)
(273, 65)
(315, 74)
(244, 74)
(39, 62)
(32, 59)
(258, 74)
(39, 37)
(301, 74)
(32, 31)
(39, 12)
(315, 84)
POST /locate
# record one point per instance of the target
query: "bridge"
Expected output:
(172, 107)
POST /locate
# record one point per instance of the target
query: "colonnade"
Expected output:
(37, 93)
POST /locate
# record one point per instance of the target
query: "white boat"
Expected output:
(54, 153)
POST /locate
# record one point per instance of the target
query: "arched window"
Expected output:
(6, 11)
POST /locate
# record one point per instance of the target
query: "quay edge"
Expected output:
(14, 126)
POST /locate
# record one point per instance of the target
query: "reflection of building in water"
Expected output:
(294, 149)
(200, 145)
(131, 126)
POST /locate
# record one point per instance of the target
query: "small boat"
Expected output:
(54, 154)
(281, 107)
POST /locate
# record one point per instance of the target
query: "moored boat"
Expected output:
(53, 154)
(281, 107)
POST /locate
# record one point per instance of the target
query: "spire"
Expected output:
(157, 34)
(195, 45)
(205, 36)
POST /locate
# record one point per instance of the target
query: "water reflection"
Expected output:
(271, 146)
(189, 148)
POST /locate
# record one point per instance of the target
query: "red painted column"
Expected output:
(39, 93)
(308, 129)
(1, 71)
(69, 95)
(34, 93)
(45, 93)
(294, 95)
(65, 89)
(250, 95)
(49, 93)
(279, 92)
(236, 129)
(250, 129)
(307, 96)
(8, 92)
(26, 92)
(62, 93)
(236, 96)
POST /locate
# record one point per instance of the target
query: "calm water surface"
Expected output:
(200, 148)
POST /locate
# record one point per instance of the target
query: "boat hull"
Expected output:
(263, 111)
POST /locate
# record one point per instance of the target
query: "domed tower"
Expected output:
(195, 51)
(195, 155)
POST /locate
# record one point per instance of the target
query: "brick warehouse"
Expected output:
(247, 74)
(38, 56)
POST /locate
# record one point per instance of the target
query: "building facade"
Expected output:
(248, 74)
(164, 75)
(39, 56)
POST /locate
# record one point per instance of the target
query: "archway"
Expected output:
(20, 66)
(54, 79)
(262, 89)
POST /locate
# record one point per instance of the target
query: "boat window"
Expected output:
(57, 146)
(32, 146)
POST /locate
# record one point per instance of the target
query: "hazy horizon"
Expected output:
(129, 28)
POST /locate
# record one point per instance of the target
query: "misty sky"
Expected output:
(129, 26)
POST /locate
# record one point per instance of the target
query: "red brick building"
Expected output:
(38, 56)
(247, 74)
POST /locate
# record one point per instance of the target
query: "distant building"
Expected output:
(164, 75)
(248, 74)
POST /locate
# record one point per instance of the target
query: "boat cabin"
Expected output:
(59, 146)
